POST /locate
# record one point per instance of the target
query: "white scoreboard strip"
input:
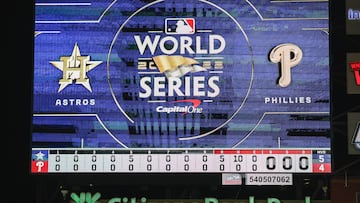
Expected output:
(182, 161)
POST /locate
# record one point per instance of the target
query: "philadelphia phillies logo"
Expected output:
(288, 56)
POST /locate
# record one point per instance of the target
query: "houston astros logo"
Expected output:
(74, 68)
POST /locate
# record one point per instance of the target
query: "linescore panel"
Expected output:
(181, 161)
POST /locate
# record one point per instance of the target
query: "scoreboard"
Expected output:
(181, 161)
(190, 86)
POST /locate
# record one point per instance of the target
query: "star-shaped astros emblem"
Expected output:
(40, 156)
(74, 69)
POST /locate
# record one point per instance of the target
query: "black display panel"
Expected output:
(242, 87)
(353, 17)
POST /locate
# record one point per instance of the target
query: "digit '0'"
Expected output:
(303, 163)
(270, 163)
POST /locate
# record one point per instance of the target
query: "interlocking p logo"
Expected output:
(288, 55)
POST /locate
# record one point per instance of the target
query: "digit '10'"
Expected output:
(287, 163)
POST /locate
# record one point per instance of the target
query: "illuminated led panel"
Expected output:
(179, 78)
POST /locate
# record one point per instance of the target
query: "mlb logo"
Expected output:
(179, 26)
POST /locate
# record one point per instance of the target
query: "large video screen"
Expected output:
(190, 86)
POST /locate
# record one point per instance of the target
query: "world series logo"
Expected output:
(179, 62)
(181, 67)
